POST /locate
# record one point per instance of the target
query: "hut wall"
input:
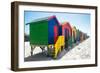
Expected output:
(51, 23)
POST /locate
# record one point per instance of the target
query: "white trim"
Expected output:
(23, 64)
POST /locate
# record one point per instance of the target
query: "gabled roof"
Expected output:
(45, 18)
(66, 25)
(39, 19)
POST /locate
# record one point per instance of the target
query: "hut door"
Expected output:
(66, 38)
(74, 36)
(55, 33)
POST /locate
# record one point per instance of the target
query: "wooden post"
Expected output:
(32, 48)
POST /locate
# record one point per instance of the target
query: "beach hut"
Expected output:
(44, 32)
(77, 36)
(74, 34)
(67, 32)
(81, 36)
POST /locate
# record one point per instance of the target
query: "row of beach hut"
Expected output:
(48, 31)
(72, 34)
